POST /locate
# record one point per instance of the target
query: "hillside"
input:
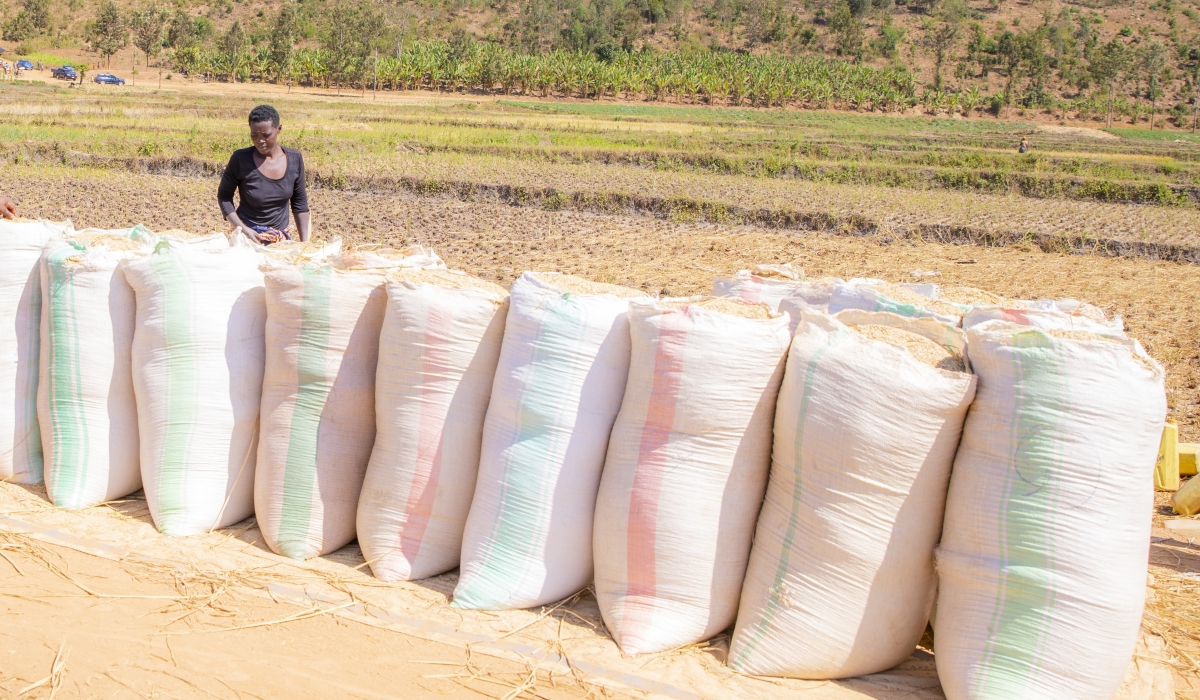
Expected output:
(1066, 60)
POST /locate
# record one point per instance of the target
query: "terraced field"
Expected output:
(657, 197)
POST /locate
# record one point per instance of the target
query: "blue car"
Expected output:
(108, 79)
(24, 64)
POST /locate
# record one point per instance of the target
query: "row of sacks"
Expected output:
(574, 432)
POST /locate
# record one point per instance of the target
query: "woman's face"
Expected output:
(263, 135)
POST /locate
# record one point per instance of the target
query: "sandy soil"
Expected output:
(134, 613)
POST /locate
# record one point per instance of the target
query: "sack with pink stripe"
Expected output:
(767, 284)
(686, 469)
(437, 356)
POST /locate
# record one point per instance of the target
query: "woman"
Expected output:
(268, 178)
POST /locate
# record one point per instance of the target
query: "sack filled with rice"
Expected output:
(198, 353)
(686, 468)
(324, 316)
(1042, 563)
(438, 351)
(559, 381)
(86, 406)
(841, 579)
(766, 284)
(21, 244)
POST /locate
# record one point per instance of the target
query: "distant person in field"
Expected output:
(1024, 147)
(269, 180)
(8, 208)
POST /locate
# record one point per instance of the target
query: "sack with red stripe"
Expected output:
(686, 469)
(841, 579)
(767, 284)
(437, 356)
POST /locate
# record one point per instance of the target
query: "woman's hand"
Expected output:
(8, 208)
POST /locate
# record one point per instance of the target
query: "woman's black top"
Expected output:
(263, 201)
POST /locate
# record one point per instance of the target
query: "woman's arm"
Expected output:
(300, 201)
(304, 225)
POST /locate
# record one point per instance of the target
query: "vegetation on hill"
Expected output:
(1091, 58)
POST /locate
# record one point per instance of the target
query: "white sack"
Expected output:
(841, 578)
(198, 353)
(766, 284)
(558, 387)
(686, 469)
(437, 359)
(1042, 564)
(86, 406)
(911, 300)
(21, 244)
(1061, 314)
(318, 399)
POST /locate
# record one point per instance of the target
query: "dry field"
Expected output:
(74, 156)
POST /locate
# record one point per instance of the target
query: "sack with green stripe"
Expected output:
(911, 300)
(86, 407)
(559, 382)
(198, 353)
(1042, 565)
(686, 469)
(318, 400)
(21, 244)
(437, 358)
(841, 579)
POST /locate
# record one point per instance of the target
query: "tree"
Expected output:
(941, 36)
(149, 27)
(109, 32)
(32, 20)
(1152, 59)
(1108, 65)
(283, 43)
(350, 37)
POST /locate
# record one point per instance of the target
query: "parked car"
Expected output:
(24, 64)
(65, 73)
(108, 79)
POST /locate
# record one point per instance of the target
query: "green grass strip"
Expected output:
(1024, 609)
(312, 389)
(181, 390)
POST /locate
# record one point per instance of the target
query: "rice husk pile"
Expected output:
(733, 307)
(903, 295)
(571, 284)
(110, 241)
(448, 279)
(921, 348)
(182, 235)
(969, 296)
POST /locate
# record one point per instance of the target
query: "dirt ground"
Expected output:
(98, 604)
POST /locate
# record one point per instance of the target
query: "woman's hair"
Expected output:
(264, 113)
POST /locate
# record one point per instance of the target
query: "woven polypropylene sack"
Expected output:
(318, 401)
(21, 244)
(910, 300)
(86, 405)
(198, 353)
(766, 284)
(1042, 564)
(437, 359)
(841, 578)
(686, 469)
(558, 387)
(1061, 314)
